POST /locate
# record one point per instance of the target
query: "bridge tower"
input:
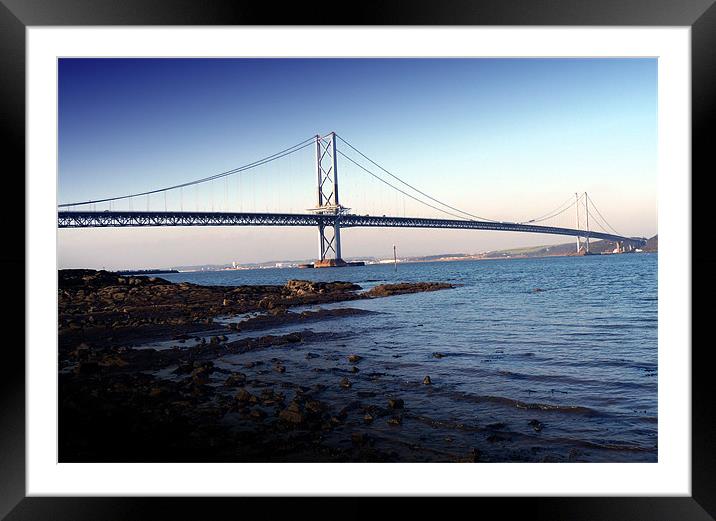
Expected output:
(329, 237)
(586, 211)
(576, 207)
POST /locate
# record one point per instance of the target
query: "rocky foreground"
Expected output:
(118, 402)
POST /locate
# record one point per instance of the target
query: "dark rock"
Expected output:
(354, 358)
(473, 456)
(258, 414)
(244, 396)
(235, 380)
(494, 438)
(360, 439)
(268, 303)
(439, 355)
(345, 383)
(293, 337)
(386, 290)
(301, 287)
(574, 455)
(82, 352)
(314, 406)
(204, 369)
(306, 287)
(89, 367)
(352, 406)
(395, 420)
(427, 380)
(269, 397)
(293, 414)
(200, 378)
(396, 403)
(112, 361)
(536, 425)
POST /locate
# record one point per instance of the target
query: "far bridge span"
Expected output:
(329, 215)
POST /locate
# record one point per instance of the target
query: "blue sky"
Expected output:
(507, 139)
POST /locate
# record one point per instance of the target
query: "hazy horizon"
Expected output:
(508, 139)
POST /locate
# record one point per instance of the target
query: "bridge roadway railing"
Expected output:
(110, 219)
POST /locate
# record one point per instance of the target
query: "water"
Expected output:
(570, 342)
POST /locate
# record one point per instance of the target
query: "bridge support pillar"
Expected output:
(337, 237)
(329, 235)
(586, 212)
(576, 206)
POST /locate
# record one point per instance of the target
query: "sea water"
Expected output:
(545, 359)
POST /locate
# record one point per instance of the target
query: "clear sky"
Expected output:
(507, 139)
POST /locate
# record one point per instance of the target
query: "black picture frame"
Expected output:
(16, 15)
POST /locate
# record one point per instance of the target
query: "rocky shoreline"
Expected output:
(120, 400)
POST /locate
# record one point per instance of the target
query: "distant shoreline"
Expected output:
(409, 261)
(145, 272)
(557, 250)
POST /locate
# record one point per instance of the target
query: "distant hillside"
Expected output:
(556, 250)
(440, 256)
(569, 248)
(652, 244)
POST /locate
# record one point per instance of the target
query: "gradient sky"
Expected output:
(507, 139)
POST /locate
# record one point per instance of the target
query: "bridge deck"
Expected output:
(108, 219)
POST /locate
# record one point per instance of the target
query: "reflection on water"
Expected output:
(551, 356)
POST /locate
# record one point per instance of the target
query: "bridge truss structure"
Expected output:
(329, 216)
(125, 219)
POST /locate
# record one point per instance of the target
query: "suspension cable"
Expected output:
(600, 222)
(555, 212)
(575, 203)
(600, 215)
(414, 188)
(259, 162)
(396, 188)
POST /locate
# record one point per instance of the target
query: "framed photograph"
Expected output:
(416, 255)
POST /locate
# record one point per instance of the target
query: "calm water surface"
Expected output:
(570, 342)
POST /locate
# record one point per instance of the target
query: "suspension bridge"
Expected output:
(327, 214)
